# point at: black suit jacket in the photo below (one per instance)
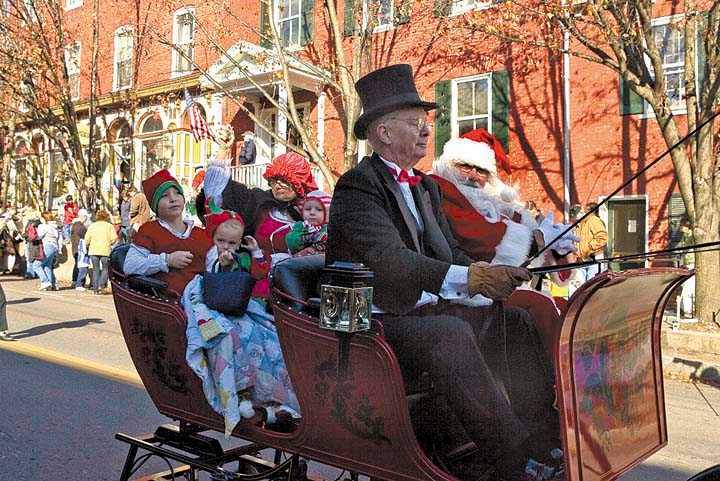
(371, 223)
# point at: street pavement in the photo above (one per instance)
(69, 385)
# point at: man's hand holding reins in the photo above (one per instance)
(495, 282)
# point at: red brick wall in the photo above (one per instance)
(607, 148)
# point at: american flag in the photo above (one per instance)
(198, 126)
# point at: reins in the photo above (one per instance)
(615, 192)
(704, 247)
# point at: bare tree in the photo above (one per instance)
(338, 60)
(621, 36)
(40, 77)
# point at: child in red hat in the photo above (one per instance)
(232, 250)
(169, 248)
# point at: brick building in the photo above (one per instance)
(514, 93)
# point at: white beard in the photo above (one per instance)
(495, 200)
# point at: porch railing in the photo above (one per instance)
(252, 176)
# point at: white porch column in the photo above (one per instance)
(281, 122)
(321, 122)
(216, 117)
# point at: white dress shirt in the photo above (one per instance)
(454, 285)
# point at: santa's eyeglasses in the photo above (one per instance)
(472, 168)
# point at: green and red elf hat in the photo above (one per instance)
(218, 216)
(157, 184)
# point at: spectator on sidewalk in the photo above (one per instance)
(593, 239)
(140, 212)
(70, 212)
(4, 336)
(77, 233)
(49, 236)
(687, 297)
(33, 245)
(125, 214)
(248, 151)
(99, 239)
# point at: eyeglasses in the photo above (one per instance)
(472, 168)
(280, 185)
(419, 124)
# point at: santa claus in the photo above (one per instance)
(485, 214)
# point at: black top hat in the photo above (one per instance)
(386, 90)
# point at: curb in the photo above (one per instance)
(691, 356)
(72, 362)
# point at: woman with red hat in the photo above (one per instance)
(269, 214)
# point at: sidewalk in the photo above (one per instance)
(691, 355)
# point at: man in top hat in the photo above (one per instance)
(489, 365)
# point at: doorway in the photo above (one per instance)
(627, 230)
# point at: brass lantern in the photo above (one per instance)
(346, 297)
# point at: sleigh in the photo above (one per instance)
(356, 407)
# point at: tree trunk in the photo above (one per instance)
(707, 268)
(707, 285)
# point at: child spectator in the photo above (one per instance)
(82, 263)
(309, 236)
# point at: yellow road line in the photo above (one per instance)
(73, 362)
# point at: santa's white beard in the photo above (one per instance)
(495, 200)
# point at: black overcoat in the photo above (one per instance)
(371, 223)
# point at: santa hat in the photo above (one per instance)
(485, 137)
(324, 199)
(156, 185)
(293, 169)
(466, 151)
(213, 220)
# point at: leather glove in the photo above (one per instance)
(566, 244)
(495, 282)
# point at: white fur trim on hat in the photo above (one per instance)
(466, 151)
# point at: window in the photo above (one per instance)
(72, 63)
(70, 4)
(288, 19)
(123, 58)
(5, 7)
(461, 6)
(380, 13)
(471, 104)
(670, 41)
(183, 37)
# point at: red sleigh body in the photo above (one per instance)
(606, 351)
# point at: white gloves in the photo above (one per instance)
(550, 231)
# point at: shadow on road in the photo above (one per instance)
(647, 471)
(39, 330)
(24, 300)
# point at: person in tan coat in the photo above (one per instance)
(593, 239)
(140, 212)
(593, 236)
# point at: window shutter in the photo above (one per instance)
(307, 20)
(500, 106)
(265, 24)
(630, 102)
(442, 8)
(443, 97)
(403, 8)
(351, 26)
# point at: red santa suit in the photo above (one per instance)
(488, 222)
